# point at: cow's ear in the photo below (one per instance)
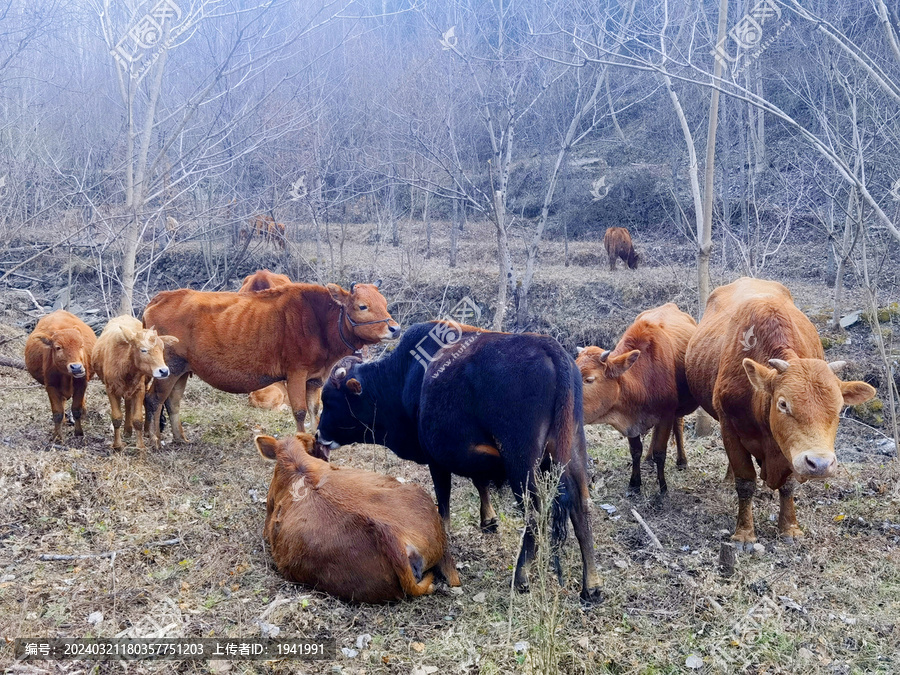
(857, 392)
(338, 294)
(760, 377)
(129, 334)
(354, 386)
(617, 366)
(308, 442)
(266, 446)
(168, 339)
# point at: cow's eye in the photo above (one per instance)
(363, 308)
(144, 351)
(784, 406)
(590, 379)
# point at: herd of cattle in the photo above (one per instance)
(493, 407)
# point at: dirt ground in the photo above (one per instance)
(829, 604)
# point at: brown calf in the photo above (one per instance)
(58, 355)
(265, 227)
(784, 416)
(355, 534)
(125, 358)
(641, 384)
(617, 242)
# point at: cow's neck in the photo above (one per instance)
(346, 340)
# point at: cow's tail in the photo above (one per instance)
(566, 445)
(407, 563)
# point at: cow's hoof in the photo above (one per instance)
(523, 587)
(681, 467)
(633, 492)
(790, 537)
(79, 432)
(489, 526)
(592, 595)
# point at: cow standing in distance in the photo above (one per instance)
(493, 407)
(756, 364)
(262, 280)
(355, 534)
(58, 355)
(617, 242)
(243, 342)
(126, 358)
(641, 384)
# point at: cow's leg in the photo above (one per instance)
(580, 514)
(312, 405)
(637, 449)
(297, 389)
(174, 408)
(488, 515)
(79, 387)
(154, 402)
(115, 411)
(612, 262)
(441, 479)
(681, 463)
(447, 567)
(658, 444)
(741, 463)
(788, 527)
(58, 409)
(137, 404)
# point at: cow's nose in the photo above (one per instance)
(161, 373)
(816, 465)
(395, 329)
(76, 368)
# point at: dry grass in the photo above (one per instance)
(828, 605)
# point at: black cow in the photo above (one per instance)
(489, 406)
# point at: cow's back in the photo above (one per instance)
(749, 318)
(242, 342)
(662, 334)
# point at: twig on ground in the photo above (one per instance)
(106, 554)
(643, 523)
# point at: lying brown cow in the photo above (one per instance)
(617, 242)
(243, 342)
(784, 416)
(355, 534)
(641, 385)
(262, 280)
(58, 355)
(275, 397)
(125, 358)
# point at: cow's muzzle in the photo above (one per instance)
(323, 447)
(160, 373)
(77, 370)
(815, 464)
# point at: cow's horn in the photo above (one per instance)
(340, 373)
(836, 366)
(377, 284)
(778, 365)
(352, 284)
(604, 356)
(578, 350)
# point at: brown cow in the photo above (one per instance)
(58, 355)
(125, 358)
(617, 242)
(641, 385)
(355, 534)
(265, 227)
(261, 280)
(784, 416)
(243, 342)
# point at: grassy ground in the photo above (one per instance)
(830, 604)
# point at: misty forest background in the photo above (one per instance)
(130, 129)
